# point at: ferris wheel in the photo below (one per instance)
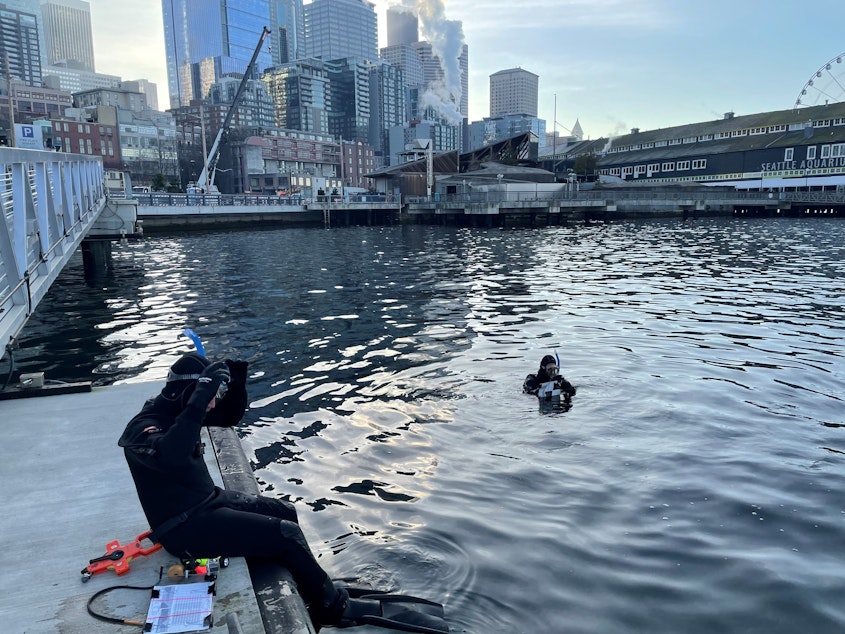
(826, 85)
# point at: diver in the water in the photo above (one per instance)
(192, 517)
(547, 381)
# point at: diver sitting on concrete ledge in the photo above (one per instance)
(191, 517)
(548, 383)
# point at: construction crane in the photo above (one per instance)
(205, 183)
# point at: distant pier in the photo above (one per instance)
(164, 212)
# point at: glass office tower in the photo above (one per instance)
(288, 32)
(335, 29)
(208, 39)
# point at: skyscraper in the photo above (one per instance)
(301, 95)
(19, 46)
(436, 77)
(336, 29)
(67, 33)
(206, 40)
(288, 39)
(402, 27)
(513, 91)
(387, 106)
(451, 75)
(349, 82)
(33, 7)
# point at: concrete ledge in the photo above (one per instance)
(68, 493)
(281, 606)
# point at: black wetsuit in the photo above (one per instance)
(534, 381)
(165, 455)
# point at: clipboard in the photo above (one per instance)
(182, 607)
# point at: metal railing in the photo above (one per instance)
(49, 201)
(523, 196)
(160, 199)
(492, 196)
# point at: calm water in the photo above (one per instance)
(696, 484)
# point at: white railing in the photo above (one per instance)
(49, 200)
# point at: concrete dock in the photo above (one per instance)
(67, 493)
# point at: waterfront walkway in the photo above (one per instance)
(67, 492)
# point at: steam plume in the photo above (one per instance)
(447, 41)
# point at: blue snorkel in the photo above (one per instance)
(190, 334)
(557, 360)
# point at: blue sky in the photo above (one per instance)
(613, 64)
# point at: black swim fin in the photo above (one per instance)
(394, 611)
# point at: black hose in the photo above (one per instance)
(115, 619)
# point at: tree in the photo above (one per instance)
(159, 182)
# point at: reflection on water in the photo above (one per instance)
(693, 486)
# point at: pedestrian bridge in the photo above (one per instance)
(50, 201)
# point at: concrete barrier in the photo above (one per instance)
(282, 608)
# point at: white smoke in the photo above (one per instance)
(447, 42)
(440, 98)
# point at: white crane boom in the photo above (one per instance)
(205, 183)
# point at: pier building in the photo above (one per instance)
(795, 149)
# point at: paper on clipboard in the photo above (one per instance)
(184, 607)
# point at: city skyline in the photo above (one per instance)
(612, 64)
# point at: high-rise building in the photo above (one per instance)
(402, 27)
(255, 108)
(67, 33)
(205, 41)
(349, 82)
(513, 91)
(288, 38)
(387, 107)
(19, 46)
(335, 29)
(453, 75)
(406, 58)
(301, 95)
(33, 7)
(436, 77)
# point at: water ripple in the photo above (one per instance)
(693, 485)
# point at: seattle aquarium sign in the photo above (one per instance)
(809, 164)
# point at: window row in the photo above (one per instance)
(729, 134)
(834, 150)
(654, 168)
(87, 147)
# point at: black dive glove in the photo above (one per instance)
(237, 369)
(206, 388)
